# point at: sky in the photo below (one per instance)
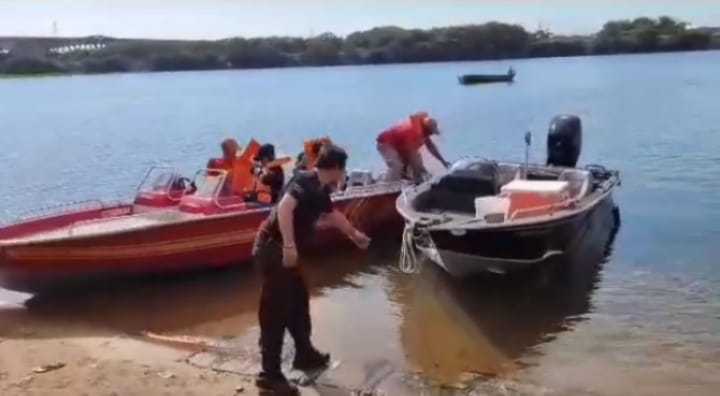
(214, 19)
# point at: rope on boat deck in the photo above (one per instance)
(409, 260)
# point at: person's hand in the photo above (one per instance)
(360, 239)
(289, 256)
(446, 164)
(422, 177)
(257, 170)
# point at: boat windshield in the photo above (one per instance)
(209, 183)
(159, 179)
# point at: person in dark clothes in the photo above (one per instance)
(285, 234)
(270, 178)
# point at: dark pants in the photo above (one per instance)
(284, 304)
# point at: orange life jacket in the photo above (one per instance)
(407, 135)
(241, 177)
(223, 165)
(220, 163)
(310, 157)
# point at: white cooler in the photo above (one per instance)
(559, 189)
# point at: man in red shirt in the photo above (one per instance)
(400, 146)
(230, 148)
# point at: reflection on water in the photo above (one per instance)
(174, 304)
(491, 326)
(367, 313)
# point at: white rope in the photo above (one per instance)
(409, 260)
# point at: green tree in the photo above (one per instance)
(323, 50)
(384, 44)
(28, 65)
(113, 64)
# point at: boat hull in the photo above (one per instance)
(509, 249)
(471, 79)
(202, 242)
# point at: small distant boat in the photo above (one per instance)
(471, 79)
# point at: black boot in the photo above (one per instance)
(275, 385)
(310, 360)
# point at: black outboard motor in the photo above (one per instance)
(564, 141)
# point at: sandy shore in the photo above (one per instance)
(39, 356)
(111, 366)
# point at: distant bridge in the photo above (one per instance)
(41, 47)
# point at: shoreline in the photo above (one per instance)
(6, 76)
(379, 45)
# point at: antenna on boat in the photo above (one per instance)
(528, 142)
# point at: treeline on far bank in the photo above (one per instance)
(380, 45)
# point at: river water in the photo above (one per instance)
(644, 322)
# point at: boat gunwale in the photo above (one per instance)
(469, 222)
(391, 188)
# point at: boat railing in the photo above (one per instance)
(126, 212)
(63, 208)
(351, 191)
(211, 182)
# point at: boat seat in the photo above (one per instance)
(457, 191)
(492, 209)
(579, 182)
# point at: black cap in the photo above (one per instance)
(266, 151)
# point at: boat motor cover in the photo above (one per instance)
(564, 141)
(457, 190)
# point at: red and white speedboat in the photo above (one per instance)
(168, 227)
